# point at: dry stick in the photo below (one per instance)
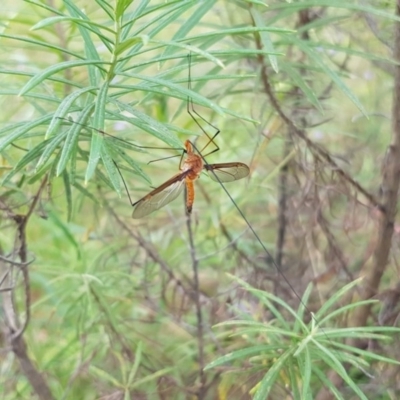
(150, 251)
(22, 221)
(200, 331)
(333, 244)
(15, 263)
(322, 153)
(283, 209)
(15, 335)
(390, 185)
(233, 243)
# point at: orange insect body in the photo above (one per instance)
(191, 169)
(194, 165)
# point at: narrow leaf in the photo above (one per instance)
(68, 194)
(265, 39)
(64, 108)
(51, 146)
(18, 133)
(111, 169)
(97, 139)
(39, 78)
(72, 139)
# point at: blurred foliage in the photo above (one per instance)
(112, 303)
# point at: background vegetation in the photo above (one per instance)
(220, 305)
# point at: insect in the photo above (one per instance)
(191, 167)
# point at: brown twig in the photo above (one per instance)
(322, 153)
(15, 329)
(201, 392)
(151, 252)
(282, 210)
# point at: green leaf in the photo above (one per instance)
(128, 43)
(302, 84)
(66, 231)
(121, 7)
(137, 13)
(265, 39)
(111, 169)
(317, 58)
(190, 49)
(41, 44)
(292, 372)
(90, 47)
(64, 108)
(190, 23)
(42, 76)
(87, 23)
(162, 22)
(72, 139)
(242, 354)
(327, 382)
(97, 139)
(45, 6)
(85, 192)
(270, 377)
(183, 91)
(306, 368)
(68, 194)
(18, 133)
(24, 161)
(135, 366)
(51, 145)
(136, 168)
(107, 8)
(153, 126)
(330, 358)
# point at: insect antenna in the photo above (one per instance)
(122, 140)
(193, 113)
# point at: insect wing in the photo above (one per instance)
(227, 172)
(160, 196)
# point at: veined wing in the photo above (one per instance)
(160, 196)
(227, 172)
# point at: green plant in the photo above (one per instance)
(293, 356)
(108, 305)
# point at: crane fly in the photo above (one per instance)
(191, 169)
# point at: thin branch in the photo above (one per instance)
(22, 222)
(151, 252)
(283, 209)
(322, 153)
(201, 392)
(15, 331)
(16, 263)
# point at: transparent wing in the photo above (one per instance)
(160, 196)
(227, 172)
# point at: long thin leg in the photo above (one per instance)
(122, 140)
(192, 112)
(123, 181)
